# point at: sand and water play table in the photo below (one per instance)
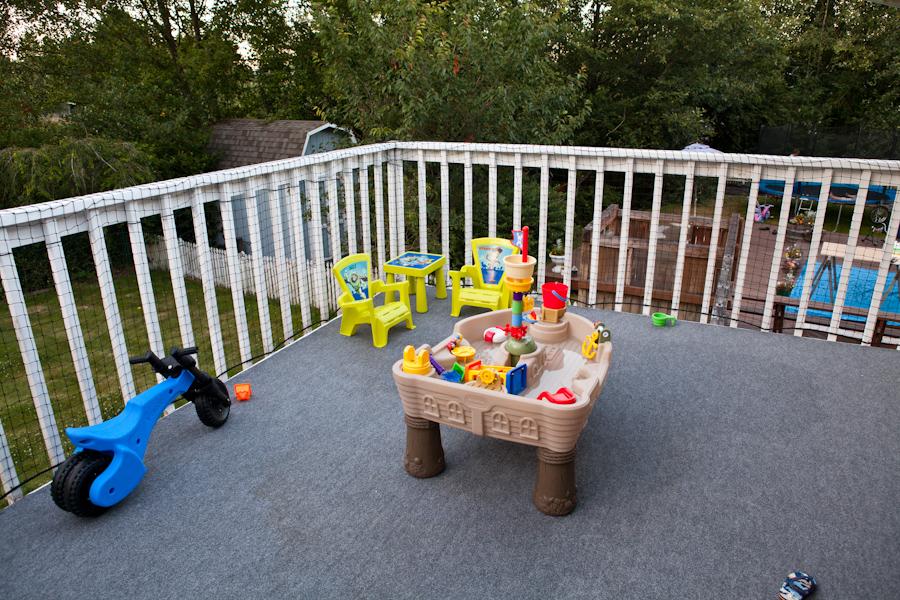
(429, 401)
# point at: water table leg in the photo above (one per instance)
(555, 492)
(424, 455)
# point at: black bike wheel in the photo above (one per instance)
(212, 413)
(76, 487)
(59, 479)
(879, 214)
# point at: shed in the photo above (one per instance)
(242, 142)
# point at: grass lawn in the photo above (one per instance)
(17, 411)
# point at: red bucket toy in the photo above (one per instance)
(555, 300)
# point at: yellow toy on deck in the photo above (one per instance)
(489, 288)
(354, 273)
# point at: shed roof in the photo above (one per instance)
(251, 141)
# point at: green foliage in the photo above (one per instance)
(461, 71)
(286, 82)
(635, 73)
(666, 74)
(843, 62)
(127, 85)
(70, 167)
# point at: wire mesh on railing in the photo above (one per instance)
(238, 262)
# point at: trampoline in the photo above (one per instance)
(840, 193)
(879, 196)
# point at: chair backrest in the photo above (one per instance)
(354, 273)
(488, 254)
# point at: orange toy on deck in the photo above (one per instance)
(242, 391)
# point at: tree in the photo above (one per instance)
(454, 71)
(843, 62)
(280, 45)
(665, 74)
(69, 167)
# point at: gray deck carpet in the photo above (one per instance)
(716, 461)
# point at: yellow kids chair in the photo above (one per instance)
(488, 283)
(354, 273)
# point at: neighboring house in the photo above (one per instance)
(242, 142)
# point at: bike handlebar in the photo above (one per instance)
(179, 352)
(151, 358)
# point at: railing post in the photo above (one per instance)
(779, 248)
(207, 277)
(570, 220)
(713, 243)
(276, 222)
(650, 273)
(492, 195)
(145, 285)
(847, 265)
(334, 211)
(623, 234)
(595, 230)
(8, 477)
(423, 203)
(400, 198)
(814, 246)
(69, 311)
(745, 247)
(318, 245)
(723, 281)
(445, 211)
(467, 204)
(542, 220)
(393, 226)
(364, 208)
(18, 310)
(884, 267)
(350, 204)
(111, 307)
(235, 271)
(678, 281)
(517, 192)
(251, 202)
(176, 273)
(378, 180)
(300, 260)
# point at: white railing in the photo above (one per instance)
(297, 204)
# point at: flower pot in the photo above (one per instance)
(796, 233)
(559, 260)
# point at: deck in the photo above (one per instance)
(715, 462)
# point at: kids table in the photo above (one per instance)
(416, 266)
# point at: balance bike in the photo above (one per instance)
(107, 463)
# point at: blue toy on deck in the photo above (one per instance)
(108, 461)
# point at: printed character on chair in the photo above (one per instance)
(354, 274)
(488, 284)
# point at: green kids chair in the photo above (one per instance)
(354, 273)
(487, 274)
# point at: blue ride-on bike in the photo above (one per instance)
(108, 460)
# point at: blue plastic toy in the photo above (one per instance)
(108, 460)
